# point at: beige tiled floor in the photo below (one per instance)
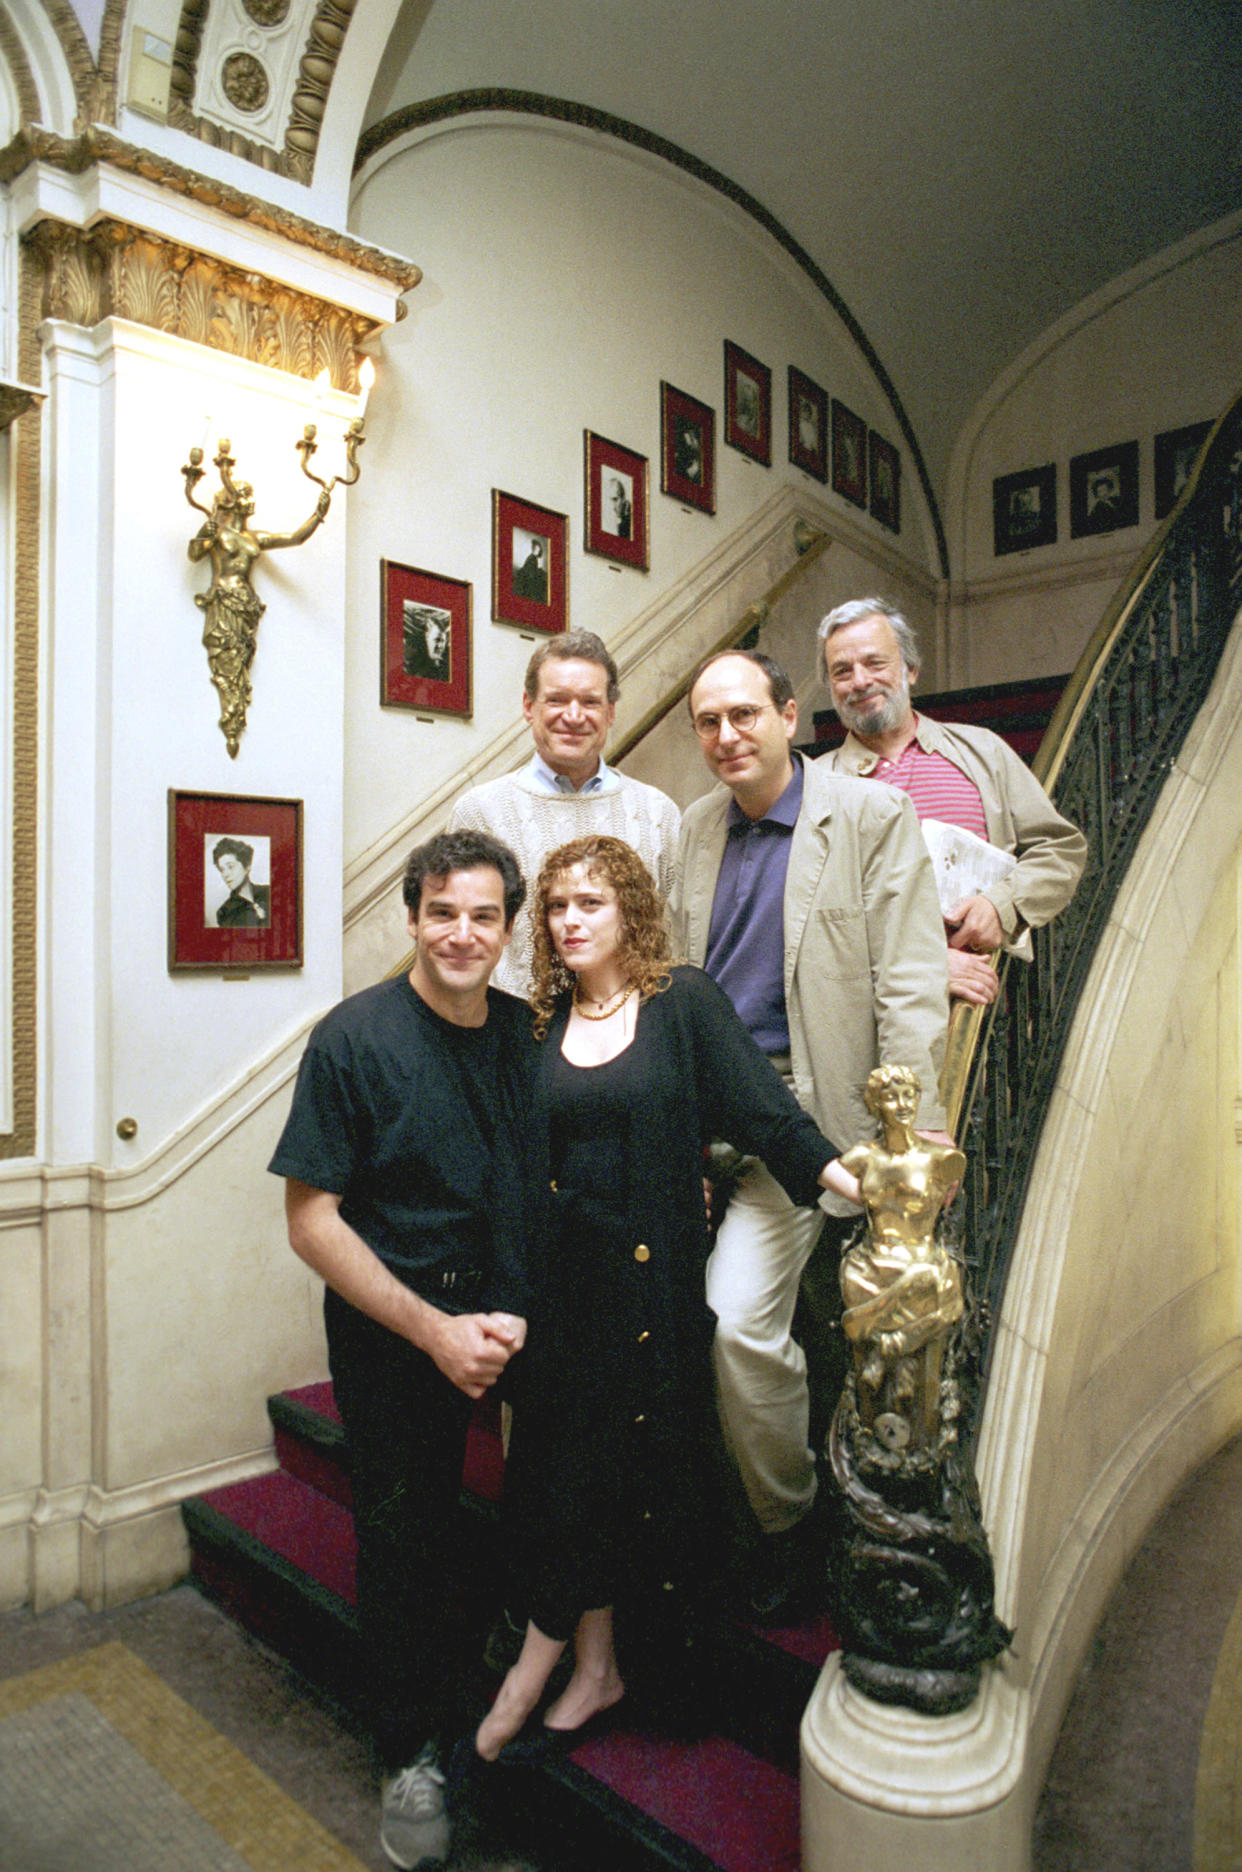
(252, 1701)
(1121, 1790)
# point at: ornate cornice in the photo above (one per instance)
(78, 154)
(316, 70)
(114, 270)
(564, 110)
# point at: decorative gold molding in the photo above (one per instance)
(19, 70)
(26, 440)
(316, 71)
(315, 75)
(113, 270)
(95, 99)
(75, 156)
(110, 38)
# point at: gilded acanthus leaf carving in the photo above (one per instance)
(112, 269)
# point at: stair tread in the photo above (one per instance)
(715, 1794)
(308, 1414)
(713, 1803)
(737, 1809)
(301, 1525)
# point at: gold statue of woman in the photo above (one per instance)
(902, 1291)
(231, 607)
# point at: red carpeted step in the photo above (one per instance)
(303, 1527)
(311, 1443)
(736, 1809)
(318, 1398)
(810, 1642)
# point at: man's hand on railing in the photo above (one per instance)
(975, 924)
(974, 932)
(972, 978)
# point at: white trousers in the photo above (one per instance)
(753, 1273)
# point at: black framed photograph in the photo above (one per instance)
(424, 640)
(849, 454)
(1177, 451)
(885, 482)
(616, 503)
(530, 564)
(1024, 509)
(808, 425)
(1104, 490)
(687, 449)
(234, 882)
(748, 404)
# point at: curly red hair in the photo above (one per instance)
(645, 949)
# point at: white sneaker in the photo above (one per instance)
(414, 1826)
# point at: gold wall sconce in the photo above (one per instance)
(231, 607)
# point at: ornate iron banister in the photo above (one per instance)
(1114, 737)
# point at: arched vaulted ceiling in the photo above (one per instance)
(962, 171)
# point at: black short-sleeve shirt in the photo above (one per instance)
(418, 1126)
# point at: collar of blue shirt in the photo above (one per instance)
(782, 812)
(603, 780)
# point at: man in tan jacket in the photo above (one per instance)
(960, 775)
(809, 897)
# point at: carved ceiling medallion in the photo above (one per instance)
(267, 12)
(244, 82)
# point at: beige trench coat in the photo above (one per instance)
(866, 970)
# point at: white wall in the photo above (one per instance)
(1157, 349)
(133, 710)
(565, 275)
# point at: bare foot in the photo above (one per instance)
(514, 1703)
(582, 1698)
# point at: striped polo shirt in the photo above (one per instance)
(938, 789)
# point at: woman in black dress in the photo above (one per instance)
(610, 1466)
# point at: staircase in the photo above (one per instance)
(277, 1553)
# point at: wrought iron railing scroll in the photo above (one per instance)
(1110, 746)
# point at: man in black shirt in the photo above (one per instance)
(406, 1166)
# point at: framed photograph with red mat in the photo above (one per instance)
(616, 504)
(885, 467)
(849, 454)
(424, 640)
(808, 425)
(529, 564)
(748, 404)
(687, 449)
(234, 882)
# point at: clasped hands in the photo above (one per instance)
(472, 1349)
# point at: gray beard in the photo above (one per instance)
(876, 717)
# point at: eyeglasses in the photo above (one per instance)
(741, 719)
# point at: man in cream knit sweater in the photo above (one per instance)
(566, 790)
